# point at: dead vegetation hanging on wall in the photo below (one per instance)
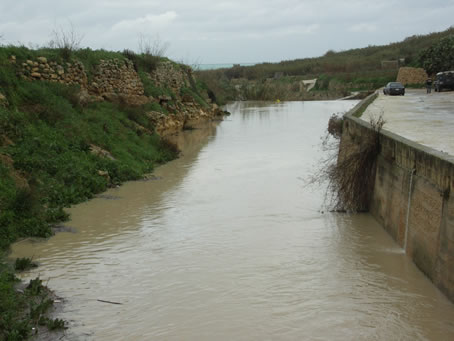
(348, 168)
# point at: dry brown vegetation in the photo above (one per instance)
(348, 170)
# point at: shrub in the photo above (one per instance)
(55, 324)
(349, 172)
(335, 124)
(66, 40)
(34, 287)
(22, 264)
(439, 57)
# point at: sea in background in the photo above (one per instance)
(217, 66)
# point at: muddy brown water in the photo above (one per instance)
(226, 243)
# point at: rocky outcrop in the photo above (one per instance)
(412, 75)
(188, 116)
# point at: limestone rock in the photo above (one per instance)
(98, 151)
(164, 99)
(104, 174)
(3, 100)
(84, 97)
(60, 70)
(111, 97)
(187, 98)
(134, 100)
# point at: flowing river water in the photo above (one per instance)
(227, 243)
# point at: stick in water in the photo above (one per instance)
(108, 302)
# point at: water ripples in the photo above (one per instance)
(227, 245)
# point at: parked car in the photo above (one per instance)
(444, 80)
(394, 88)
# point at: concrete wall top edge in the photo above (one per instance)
(411, 144)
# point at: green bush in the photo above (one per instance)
(145, 62)
(439, 57)
(22, 264)
(13, 326)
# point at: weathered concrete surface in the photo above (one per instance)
(427, 119)
(413, 191)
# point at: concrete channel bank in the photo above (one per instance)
(413, 198)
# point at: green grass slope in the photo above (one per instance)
(46, 163)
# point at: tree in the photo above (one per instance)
(439, 57)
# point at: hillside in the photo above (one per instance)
(337, 73)
(72, 125)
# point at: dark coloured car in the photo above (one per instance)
(444, 80)
(394, 88)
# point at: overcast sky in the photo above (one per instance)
(210, 31)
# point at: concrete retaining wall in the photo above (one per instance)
(413, 192)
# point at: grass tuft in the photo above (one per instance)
(22, 264)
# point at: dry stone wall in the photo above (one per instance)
(168, 76)
(41, 69)
(116, 80)
(113, 79)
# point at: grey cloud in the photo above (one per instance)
(247, 30)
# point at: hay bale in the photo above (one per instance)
(412, 75)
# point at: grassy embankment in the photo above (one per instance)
(46, 163)
(337, 73)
